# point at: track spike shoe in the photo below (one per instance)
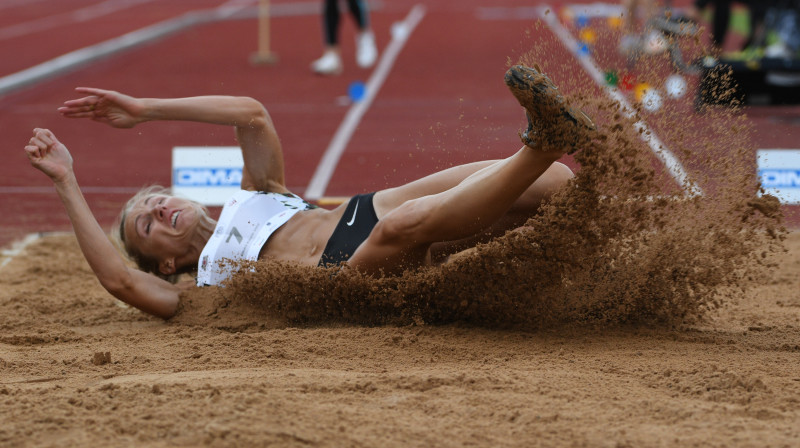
(552, 123)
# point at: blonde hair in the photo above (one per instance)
(142, 261)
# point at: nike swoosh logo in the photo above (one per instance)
(350, 223)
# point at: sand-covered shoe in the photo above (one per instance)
(552, 123)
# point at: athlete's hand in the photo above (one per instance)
(105, 106)
(49, 155)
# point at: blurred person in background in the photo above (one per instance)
(719, 20)
(366, 53)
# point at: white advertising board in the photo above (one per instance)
(779, 171)
(207, 174)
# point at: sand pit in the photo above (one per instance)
(78, 369)
(627, 313)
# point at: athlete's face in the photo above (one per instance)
(162, 227)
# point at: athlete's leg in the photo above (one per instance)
(403, 237)
(527, 205)
(523, 208)
(553, 125)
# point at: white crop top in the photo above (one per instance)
(247, 220)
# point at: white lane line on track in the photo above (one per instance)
(647, 135)
(7, 255)
(233, 9)
(84, 55)
(330, 159)
(78, 15)
(17, 248)
(14, 3)
(590, 10)
(86, 190)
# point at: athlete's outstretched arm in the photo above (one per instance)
(261, 148)
(139, 289)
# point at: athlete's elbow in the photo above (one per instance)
(120, 287)
(163, 310)
(158, 305)
(255, 115)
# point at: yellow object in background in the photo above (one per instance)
(640, 90)
(588, 35)
(614, 22)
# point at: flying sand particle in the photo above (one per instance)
(622, 243)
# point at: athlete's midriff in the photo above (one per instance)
(303, 237)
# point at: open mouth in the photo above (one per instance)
(174, 217)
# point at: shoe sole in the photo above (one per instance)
(537, 93)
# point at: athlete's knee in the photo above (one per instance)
(554, 179)
(402, 226)
(561, 174)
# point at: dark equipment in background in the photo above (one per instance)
(768, 71)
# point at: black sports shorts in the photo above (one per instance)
(355, 226)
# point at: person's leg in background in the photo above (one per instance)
(722, 17)
(331, 61)
(758, 12)
(632, 33)
(366, 53)
(719, 20)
